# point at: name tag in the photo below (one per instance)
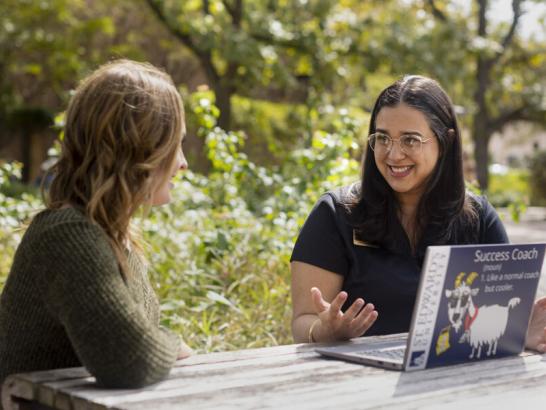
(358, 242)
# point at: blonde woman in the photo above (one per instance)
(78, 292)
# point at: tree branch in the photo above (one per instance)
(268, 39)
(522, 113)
(228, 7)
(184, 37)
(516, 8)
(436, 12)
(203, 55)
(236, 13)
(483, 70)
(482, 21)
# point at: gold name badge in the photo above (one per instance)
(358, 242)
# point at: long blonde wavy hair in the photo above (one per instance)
(124, 126)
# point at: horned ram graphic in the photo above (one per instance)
(483, 325)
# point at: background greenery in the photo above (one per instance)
(278, 94)
(220, 251)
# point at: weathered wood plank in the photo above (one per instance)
(208, 370)
(291, 376)
(27, 385)
(48, 375)
(15, 387)
(261, 380)
(263, 385)
(207, 384)
(275, 351)
(352, 391)
(258, 358)
(215, 359)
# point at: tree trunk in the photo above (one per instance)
(223, 102)
(481, 136)
(480, 123)
(26, 157)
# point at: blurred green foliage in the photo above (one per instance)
(512, 186)
(16, 207)
(273, 65)
(510, 190)
(302, 76)
(219, 253)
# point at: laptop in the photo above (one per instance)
(473, 303)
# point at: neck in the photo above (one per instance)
(408, 203)
(407, 211)
(407, 214)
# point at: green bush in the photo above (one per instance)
(508, 188)
(219, 253)
(16, 208)
(538, 178)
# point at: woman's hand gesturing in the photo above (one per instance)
(536, 333)
(337, 325)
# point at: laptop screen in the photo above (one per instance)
(474, 303)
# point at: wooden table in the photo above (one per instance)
(294, 377)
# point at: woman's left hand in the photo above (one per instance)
(536, 333)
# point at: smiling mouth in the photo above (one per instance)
(400, 171)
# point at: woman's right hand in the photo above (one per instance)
(184, 351)
(336, 325)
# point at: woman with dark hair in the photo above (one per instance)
(367, 242)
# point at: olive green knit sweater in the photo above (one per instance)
(65, 304)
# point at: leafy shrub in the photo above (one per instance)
(221, 249)
(510, 190)
(16, 208)
(219, 253)
(507, 188)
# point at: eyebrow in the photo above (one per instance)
(407, 132)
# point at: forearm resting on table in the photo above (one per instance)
(184, 351)
(301, 326)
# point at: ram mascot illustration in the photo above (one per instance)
(483, 326)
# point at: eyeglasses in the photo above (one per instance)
(410, 144)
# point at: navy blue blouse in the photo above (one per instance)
(386, 277)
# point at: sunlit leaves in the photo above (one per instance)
(16, 207)
(223, 244)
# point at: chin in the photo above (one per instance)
(162, 203)
(401, 189)
(398, 187)
(162, 196)
(162, 200)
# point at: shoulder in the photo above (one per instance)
(491, 228)
(338, 200)
(68, 220)
(332, 208)
(345, 195)
(68, 233)
(481, 205)
(324, 237)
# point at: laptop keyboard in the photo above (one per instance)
(393, 353)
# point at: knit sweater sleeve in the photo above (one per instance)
(109, 331)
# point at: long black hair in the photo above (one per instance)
(445, 209)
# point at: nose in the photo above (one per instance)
(182, 163)
(396, 151)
